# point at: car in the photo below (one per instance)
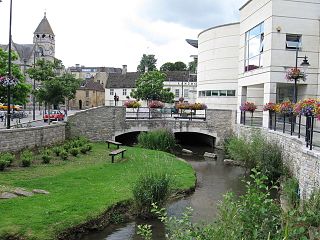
(55, 115)
(5, 107)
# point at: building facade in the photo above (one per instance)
(269, 32)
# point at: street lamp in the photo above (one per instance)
(9, 69)
(35, 54)
(305, 64)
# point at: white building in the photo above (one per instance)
(268, 33)
(181, 83)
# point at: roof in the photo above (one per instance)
(24, 50)
(91, 85)
(95, 69)
(128, 80)
(192, 42)
(244, 5)
(223, 25)
(44, 27)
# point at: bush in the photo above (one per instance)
(311, 209)
(84, 149)
(238, 149)
(162, 140)
(46, 158)
(151, 188)
(57, 151)
(290, 190)
(26, 158)
(3, 164)
(9, 157)
(89, 147)
(74, 151)
(64, 155)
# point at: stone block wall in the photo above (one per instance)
(14, 140)
(303, 163)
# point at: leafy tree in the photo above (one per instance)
(166, 67)
(150, 87)
(180, 66)
(177, 66)
(147, 61)
(22, 90)
(192, 67)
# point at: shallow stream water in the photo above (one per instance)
(213, 180)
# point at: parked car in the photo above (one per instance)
(14, 107)
(55, 115)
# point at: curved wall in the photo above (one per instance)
(218, 64)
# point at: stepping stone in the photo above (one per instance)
(187, 151)
(232, 162)
(7, 195)
(210, 155)
(40, 191)
(22, 192)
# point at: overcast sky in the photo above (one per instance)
(115, 32)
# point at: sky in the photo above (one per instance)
(113, 33)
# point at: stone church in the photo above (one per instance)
(43, 46)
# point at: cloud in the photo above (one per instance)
(198, 14)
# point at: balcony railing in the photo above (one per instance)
(165, 113)
(251, 118)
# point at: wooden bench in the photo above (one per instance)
(116, 152)
(114, 143)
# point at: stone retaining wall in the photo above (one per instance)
(303, 163)
(14, 140)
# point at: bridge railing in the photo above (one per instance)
(165, 113)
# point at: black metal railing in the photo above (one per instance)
(251, 118)
(165, 113)
(296, 125)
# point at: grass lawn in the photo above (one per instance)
(80, 189)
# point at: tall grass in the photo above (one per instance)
(152, 187)
(162, 140)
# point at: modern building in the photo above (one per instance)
(181, 83)
(248, 61)
(43, 46)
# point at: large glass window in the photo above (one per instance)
(293, 41)
(254, 48)
(111, 92)
(176, 93)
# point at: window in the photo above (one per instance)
(124, 92)
(87, 93)
(215, 92)
(223, 93)
(293, 41)
(208, 93)
(87, 103)
(111, 91)
(231, 93)
(202, 93)
(254, 48)
(186, 93)
(177, 93)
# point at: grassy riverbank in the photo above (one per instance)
(80, 189)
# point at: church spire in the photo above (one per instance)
(44, 26)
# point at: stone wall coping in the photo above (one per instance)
(13, 130)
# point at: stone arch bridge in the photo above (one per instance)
(108, 122)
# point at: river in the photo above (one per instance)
(213, 180)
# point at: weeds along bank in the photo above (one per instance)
(84, 187)
(302, 163)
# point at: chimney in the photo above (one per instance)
(77, 65)
(124, 69)
(146, 69)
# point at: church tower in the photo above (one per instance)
(44, 40)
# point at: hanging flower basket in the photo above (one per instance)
(295, 73)
(271, 107)
(308, 107)
(198, 106)
(156, 104)
(6, 81)
(132, 104)
(182, 105)
(248, 107)
(286, 108)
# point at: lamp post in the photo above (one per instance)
(9, 69)
(305, 64)
(35, 54)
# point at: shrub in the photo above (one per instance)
(3, 164)
(162, 140)
(84, 149)
(46, 158)
(74, 151)
(290, 191)
(26, 158)
(9, 157)
(89, 147)
(64, 155)
(151, 188)
(57, 151)
(238, 149)
(311, 209)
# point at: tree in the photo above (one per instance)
(177, 66)
(147, 61)
(150, 87)
(21, 91)
(166, 67)
(193, 66)
(180, 66)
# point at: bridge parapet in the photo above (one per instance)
(107, 122)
